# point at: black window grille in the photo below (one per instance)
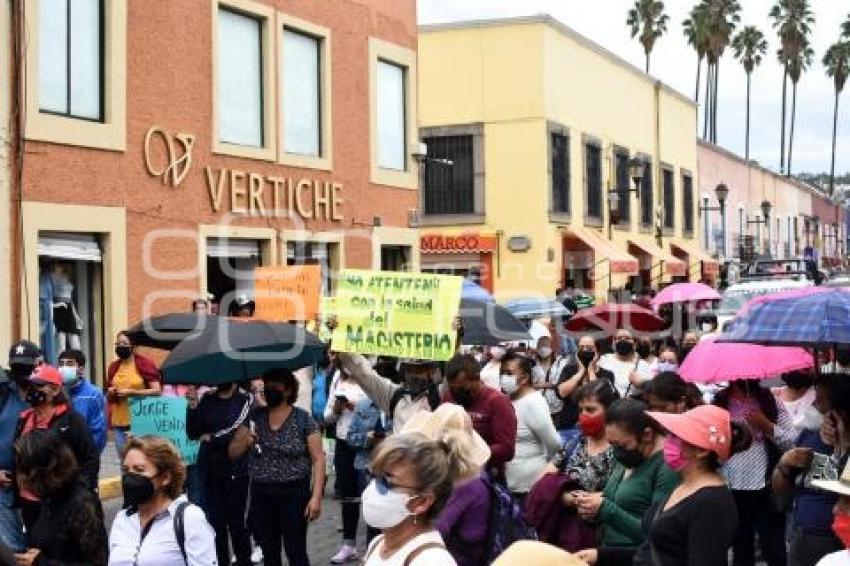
(560, 173)
(669, 199)
(449, 176)
(623, 186)
(593, 165)
(646, 195)
(688, 202)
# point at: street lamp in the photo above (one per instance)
(614, 195)
(721, 191)
(766, 207)
(636, 173)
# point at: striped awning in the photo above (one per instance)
(620, 261)
(673, 266)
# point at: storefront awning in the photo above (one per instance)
(710, 266)
(76, 247)
(232, 247)
(620, 261)
(673, 266)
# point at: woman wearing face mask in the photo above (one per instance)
(668, 393)
(629, 370)
(667, 361)
(639, 478)
(537, 441)
(143, 534)
(131, 375)
(576, 373)
(287, 469)
(413, 479)
(49, 410)
(548, 375)
(749, 472)
(797, 395)
(491, 371)
(695, 525)
(69, 529)
(213, 421)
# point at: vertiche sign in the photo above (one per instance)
(242, 192)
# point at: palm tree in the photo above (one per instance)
(750, 47)
(695, 28)
(837, 65)
(647, 20)
(793, 21)
(796, 67)
(722, 18)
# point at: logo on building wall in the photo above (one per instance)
(173, 164)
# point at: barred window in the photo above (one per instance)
(669, 199)
(646, 198)
(560, 172)
(449, 175)
(593, 166)
(688, 202)
(623, 186)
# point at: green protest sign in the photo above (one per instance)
(164, 416)
(407, 315)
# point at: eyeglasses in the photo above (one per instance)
(385, 485)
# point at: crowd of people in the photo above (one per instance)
(574, 450)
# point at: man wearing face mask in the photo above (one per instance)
(418, 390)
(88, 400)
(628, 368)
(584, 369)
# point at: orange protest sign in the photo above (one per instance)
(284, 293)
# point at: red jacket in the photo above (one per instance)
(493, 418)
(145, 366)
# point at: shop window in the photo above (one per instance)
(69, 297)
(560, 163)
(395, 258)
(302, 93)
(449, 186)
(314, 253)
(392, 116)
(669, 196)
(688, 203)
(593, 179)
(240, 79)
(230, 269)
(70, 70)
(624, 182)
(646, 197)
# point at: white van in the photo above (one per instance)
(736, 296)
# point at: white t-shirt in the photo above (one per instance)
(346, 388)
(429, 557)
(840, 558)
(537, 442)
(621, 371)
(490, 375)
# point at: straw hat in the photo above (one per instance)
(536, 554)
(446, 421)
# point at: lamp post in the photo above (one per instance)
(721, 191)
(614, 195)
(765, 219)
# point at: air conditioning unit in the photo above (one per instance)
(413, 219)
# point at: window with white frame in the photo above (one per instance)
(240, 78)
(70, 58)
(302, 93)
(392, 116)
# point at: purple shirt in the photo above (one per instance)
(463, 522)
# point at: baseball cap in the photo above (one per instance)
(707, 427)
(841, 486)
(46, 374)
(24, 352)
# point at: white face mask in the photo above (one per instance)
(667, 366)
(384, 511)
(497, 353)
(544, 352)
(508, 383)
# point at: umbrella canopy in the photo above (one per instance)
(239, 350)
(488, 324)
(168, 330)
(715, 362)
(476, 292)
(818, 319)
(536, 308)
(614, 316)
(788, 294)
(685, 293)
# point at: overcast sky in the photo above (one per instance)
(603, 21)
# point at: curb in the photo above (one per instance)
(109, 488)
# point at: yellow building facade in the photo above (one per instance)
(529, 127)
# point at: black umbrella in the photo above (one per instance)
(489, 324)
(168, 330)
(235, 350)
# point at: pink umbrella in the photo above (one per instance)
(716, 362)
(685, 293)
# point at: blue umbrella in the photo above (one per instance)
(820, 319)
(471, 291)
(537, 308)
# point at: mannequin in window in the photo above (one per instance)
(66, 321)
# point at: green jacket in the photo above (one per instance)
(626, 500)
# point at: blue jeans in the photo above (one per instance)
(11, 528)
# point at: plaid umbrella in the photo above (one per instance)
(815, 320)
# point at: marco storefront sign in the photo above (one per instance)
(169, 157)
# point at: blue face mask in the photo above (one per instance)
(69, 375)
(667, 366)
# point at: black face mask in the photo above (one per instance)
(624, 347)
(630, 458)
(20, 373)
(36, 398)
(797, 381)
(416, 386)
(463, 397)
(274, 397)
(586, 357)
(643, 350)
(137, 489)
(123, 352)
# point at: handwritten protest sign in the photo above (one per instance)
(284, 293)
(164, 416)
(406, 315)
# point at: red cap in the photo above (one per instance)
(46, 374)
(707, 427)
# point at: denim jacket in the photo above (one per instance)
(367, 418)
